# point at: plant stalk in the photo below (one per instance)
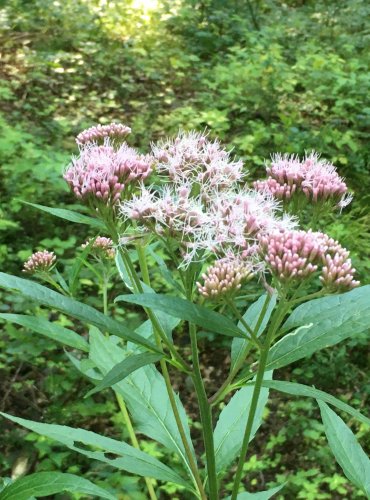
(156, 326)
(235, 370)
(151, 315)
(121, 403)
(205, 415)
(134, 441)
(276, 321)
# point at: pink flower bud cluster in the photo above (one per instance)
(337, 271)
(224, 277)
(102, 246)
(101, 173)
(317, 179)
(191, 157)
(41, 261)
(100, 132)
(292, 255)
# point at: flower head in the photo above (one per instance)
(192, 157)
(224, 277)
(337, 272)
(99, 132)
(101, 247)
(239, 217)
(225, 221)
(102, 173)
(171, 212)
(296, 255)
(317, 179)
(42, 261)
(292, 254)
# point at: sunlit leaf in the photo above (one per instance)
(251, 317)
(145, 395)
(124, 368)
(230, 427)
(311, 392)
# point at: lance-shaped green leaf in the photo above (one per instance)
(322, 323)
(184, 309)
(124, 368)
(71, 307)
(115, 453)
(42, 484)
(262, 495)
(48, 329)
(69, 215)
(251, 317)
(229, 431)
(311, 392)
(347, 451)
(145, 395)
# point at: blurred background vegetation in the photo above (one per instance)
(262, 75)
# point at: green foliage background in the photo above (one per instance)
(262, 75)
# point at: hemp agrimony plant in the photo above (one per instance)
(238, 261)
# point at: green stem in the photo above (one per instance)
(224, 389)
(134, 441)
(157, 328)
(275, 323)
(253, 335)
(143, 264)
(105, 295)
(121, 403)
(180, 362)
(192, 464)
(311, 296)
(206, 416)
(56, 285)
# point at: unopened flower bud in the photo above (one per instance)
(224, 277)
(98, 133)
(102, 247)
(42, 261)
(296, 255)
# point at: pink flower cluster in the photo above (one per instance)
(101, 173)
(317, 179)
(292, 255)
(227, 220)
(191, 157)
(239, 216)
(100, 132)
(224, 277)
(102, 246)
(41, 261)
(173, 213)
(337, 271)
(201, 203)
